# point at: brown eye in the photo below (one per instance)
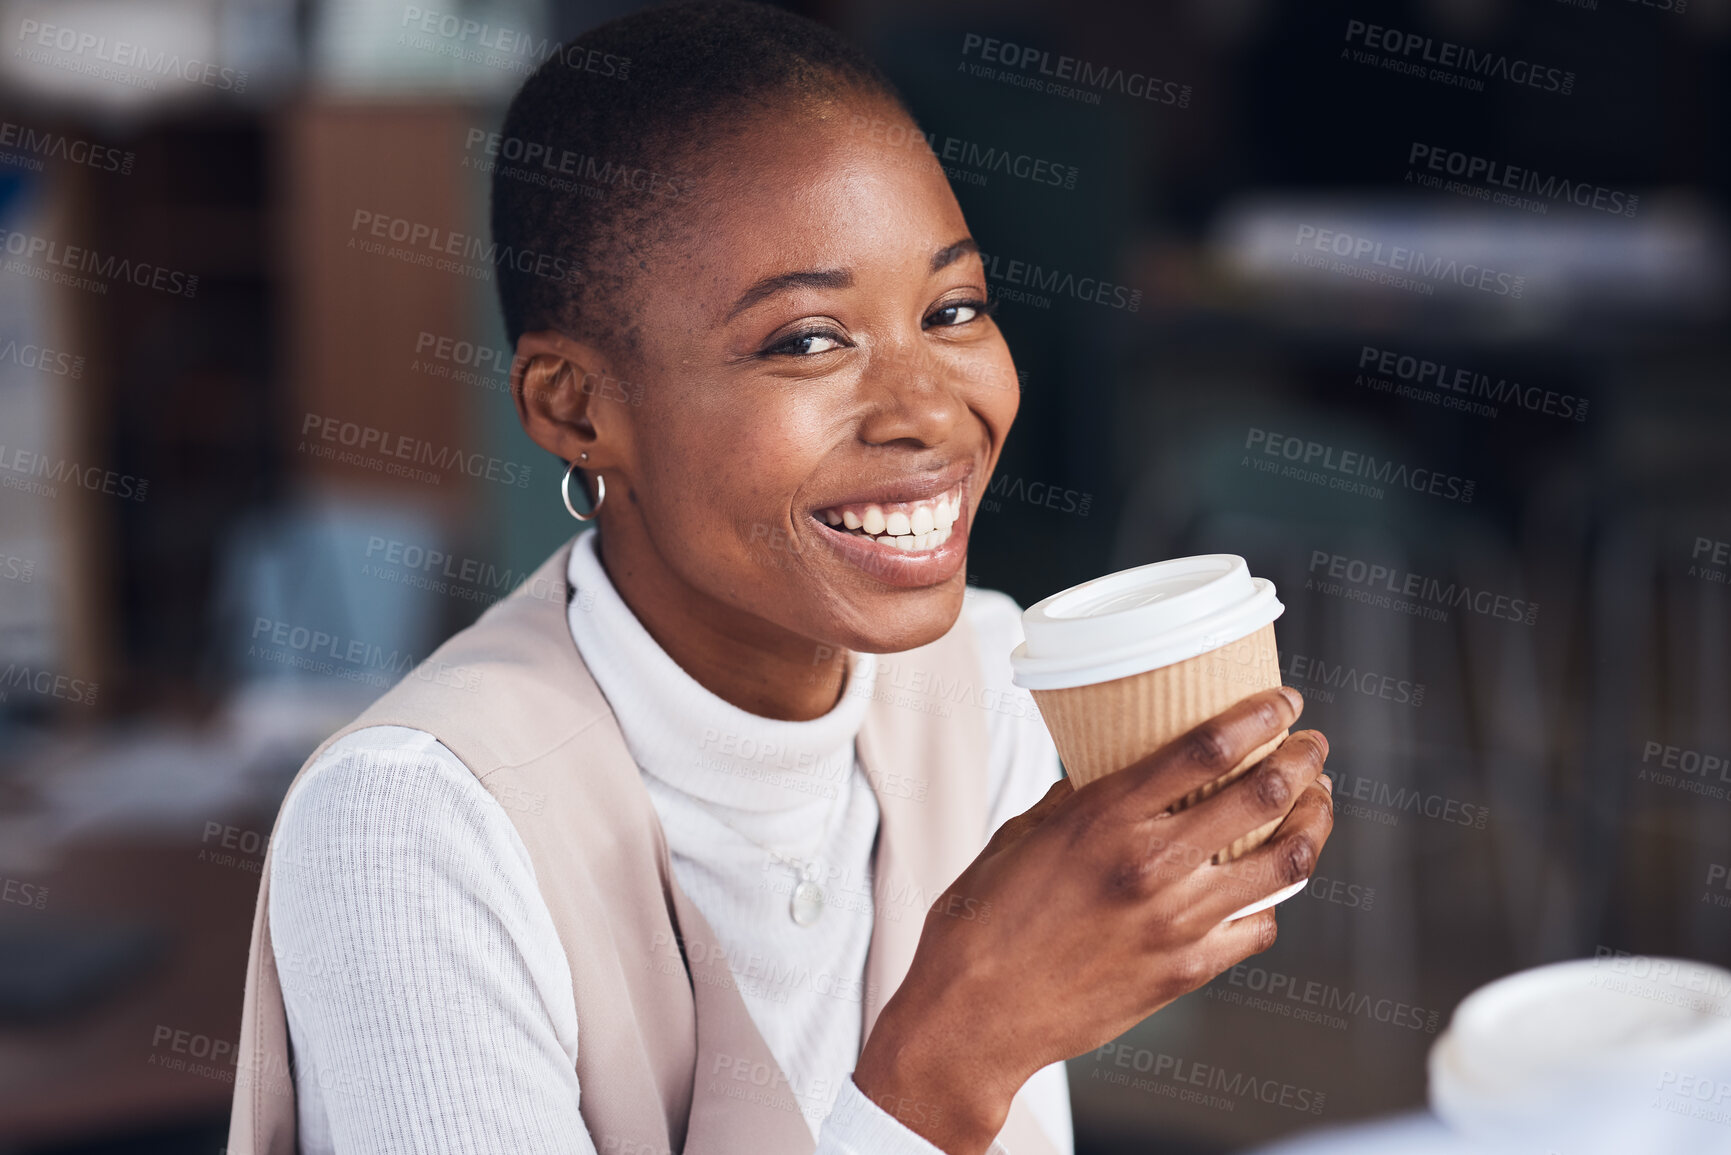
(958, 313)
(806, 344)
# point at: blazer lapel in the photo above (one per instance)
(923, 747)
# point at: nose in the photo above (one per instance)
(911, 397)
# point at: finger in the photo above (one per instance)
(1223, 946)
(1265, 793)
(1201, 755)
(1213, 893)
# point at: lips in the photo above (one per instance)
(910, 531)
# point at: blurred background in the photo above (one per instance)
(1421, 307)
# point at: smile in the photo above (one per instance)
(912, 526)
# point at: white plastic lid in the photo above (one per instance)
(1140, 619)
(1277, 897)
(1591, 1056)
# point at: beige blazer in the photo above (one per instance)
(665, 1033)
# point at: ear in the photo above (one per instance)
(569, 399)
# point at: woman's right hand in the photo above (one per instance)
(1104, 909)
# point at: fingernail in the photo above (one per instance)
(1328, 784)
(1293, 697)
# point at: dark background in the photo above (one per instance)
(1506, 793)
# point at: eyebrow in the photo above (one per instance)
(950, 254)
(834, 278)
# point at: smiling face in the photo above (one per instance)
(824, 396)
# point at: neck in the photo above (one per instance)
(747, 662)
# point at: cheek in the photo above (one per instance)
(997, 396)
(725, 473)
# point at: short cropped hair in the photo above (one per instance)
(603, 146)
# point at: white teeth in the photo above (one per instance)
(924, 526)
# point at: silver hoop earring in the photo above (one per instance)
(565, 492)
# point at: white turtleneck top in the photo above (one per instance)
(428, 997)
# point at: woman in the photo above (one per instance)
(663, 864)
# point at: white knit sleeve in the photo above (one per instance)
(428, 997)
(858, 1126)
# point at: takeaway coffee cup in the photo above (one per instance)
(1600, 1056)
(1122, 664)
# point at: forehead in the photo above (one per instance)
(831, 184)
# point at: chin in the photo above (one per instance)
(901, 620)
